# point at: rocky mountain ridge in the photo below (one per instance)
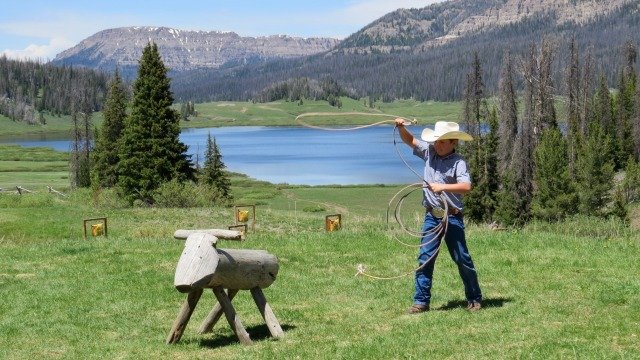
(184, 50)
(420, 29)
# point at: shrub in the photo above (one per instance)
(187, 194)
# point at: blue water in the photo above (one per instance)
(296, 155)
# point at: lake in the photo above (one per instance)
(297, 155)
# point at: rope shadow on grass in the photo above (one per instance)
(486, 303)
(257, 333)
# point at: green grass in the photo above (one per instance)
(285, 113)
(33, 168)
(60, 125)
(567, 290)
(278, 113)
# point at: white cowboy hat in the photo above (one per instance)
(444, 130)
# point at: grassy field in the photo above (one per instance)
(285, 113)
(58, 125)
(278, 113)
(568, 290)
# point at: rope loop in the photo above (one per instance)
(395, 204)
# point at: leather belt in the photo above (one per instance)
(439, 213)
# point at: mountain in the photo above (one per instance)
(426, 53)
(420, 53)
(420, 29)
(184, 50)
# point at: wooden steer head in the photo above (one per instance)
(197, 263)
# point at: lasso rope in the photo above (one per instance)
(438, 231)
(311, 114)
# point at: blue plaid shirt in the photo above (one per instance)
(450, 169)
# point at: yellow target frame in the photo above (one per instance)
(237, 209)
(333, 222)
(103, 221)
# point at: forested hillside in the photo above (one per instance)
(29, 88)
(425, 72)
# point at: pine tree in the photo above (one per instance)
(594, 172)
(213, 171)
(602, 110)
(631, 184)
(586, 101)
(511, 210)
(573, 97)
(80, 163)
(554, 196)
(624, 145)
(105, 153)
(619, 207)
(522, 164)
(508, 119)
(151, 152)
(546, 112)
(636, 124)
(625, 106)
(479, 202)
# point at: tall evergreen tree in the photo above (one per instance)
(586, 92)
(602, 109)
(546, 112)
(478, 202)
(595, 172)
(80, 162)
(213, 171)
(151, 152)
(625, 106)
(522, 162)
(624, 100)
(636, 124)
(106, 151)
(554, 196)
(603, 116)
(509, 206)
(508, 119)
(573, 99)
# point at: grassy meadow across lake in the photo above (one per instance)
(279, 113)
(562, 290)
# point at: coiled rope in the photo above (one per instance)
(397, 200)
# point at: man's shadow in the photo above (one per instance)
(486, 303)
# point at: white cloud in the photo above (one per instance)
(42, 52)
(56, 34)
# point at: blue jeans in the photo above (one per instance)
(457, 246)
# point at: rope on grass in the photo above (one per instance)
(438, 231)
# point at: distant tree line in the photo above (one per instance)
(304, 88)
(525, 166)
(29, 88)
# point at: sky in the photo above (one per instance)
(40, 29)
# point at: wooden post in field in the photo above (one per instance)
(226, 272)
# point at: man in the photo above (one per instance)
(445, 172)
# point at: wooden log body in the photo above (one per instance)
(218, 233)
(202, 265)
(243, 269)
